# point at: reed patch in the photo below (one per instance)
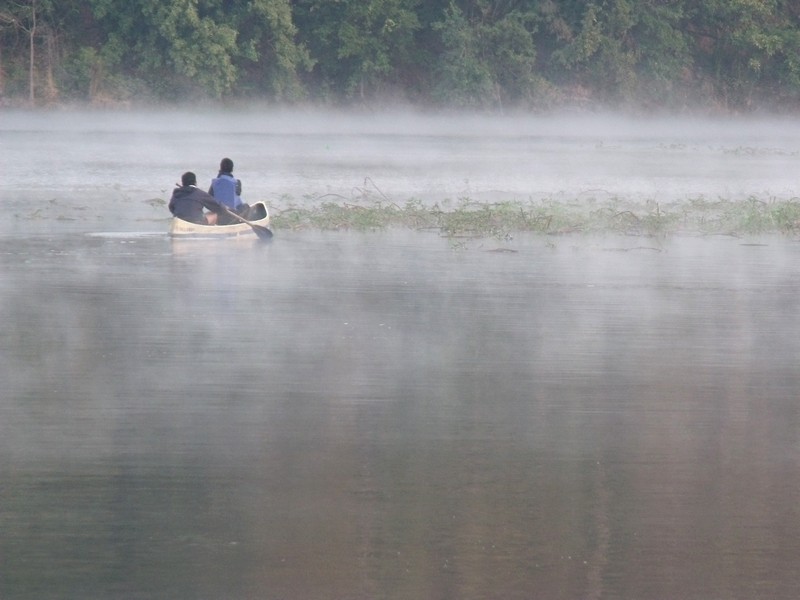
(467, 217)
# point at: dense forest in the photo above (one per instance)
(495, 55)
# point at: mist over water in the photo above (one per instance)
(88, 165)
(393, 414)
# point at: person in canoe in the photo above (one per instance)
(227, 190)
(188, 202)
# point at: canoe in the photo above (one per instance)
(259, 215)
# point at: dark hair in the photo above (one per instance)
(226, 165)
(188, 178)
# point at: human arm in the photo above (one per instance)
(209, 202)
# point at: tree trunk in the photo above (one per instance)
(31, 68)
(2, 76)
(51, 88)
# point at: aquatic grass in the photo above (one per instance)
(470, 218)
(750, 216)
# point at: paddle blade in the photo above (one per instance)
(262, 232)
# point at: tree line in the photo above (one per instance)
(494, 55)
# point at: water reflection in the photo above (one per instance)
(380, 416)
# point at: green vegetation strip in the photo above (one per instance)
(500, 219)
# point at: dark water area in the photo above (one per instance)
(379, 415)
(392, 414)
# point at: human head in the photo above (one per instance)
(226, 165)
(188, 178)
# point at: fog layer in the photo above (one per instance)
(95, 163)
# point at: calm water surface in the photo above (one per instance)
(393, 415)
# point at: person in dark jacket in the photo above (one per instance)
(188, 202)
(227, 190)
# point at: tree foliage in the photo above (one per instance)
(480, 54)
(361, 47)
(271, 60)
(489, 56)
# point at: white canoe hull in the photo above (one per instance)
(178, 228)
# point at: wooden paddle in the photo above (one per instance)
(262, 232)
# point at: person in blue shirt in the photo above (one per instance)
(227, 190)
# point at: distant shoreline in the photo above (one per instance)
(698, 110)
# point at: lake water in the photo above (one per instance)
(393, 414)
